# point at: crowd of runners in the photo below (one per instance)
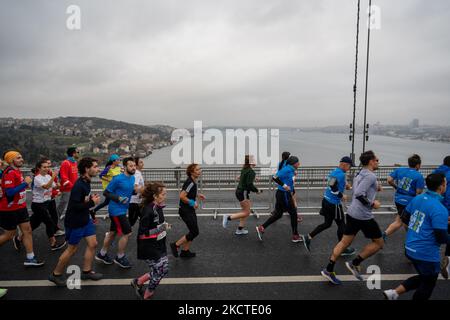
(62, 200)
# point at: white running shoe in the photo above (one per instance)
(390, 294)
(59, 233)
(225, 221)
(240, 232)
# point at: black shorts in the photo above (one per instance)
(121, 225)
(242, 195)
(369, 228)
(400, 208)
(334, 211)
(189, 217)
(9, 220)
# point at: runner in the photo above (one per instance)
(188, 204)
(407, 183)
(332, 204)
(284, 200)
(119, 190)
(68, 174)
(284, 156)
(79, 225)
(42, 186)
(359, 218)
(246, 185)
(151, 240)
(13, 206)
(52, 204)
(134, 209)
(112, 169)
(427, 221)
(445, 169)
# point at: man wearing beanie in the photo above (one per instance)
(284, 201)
(68, 176)
(13, 206)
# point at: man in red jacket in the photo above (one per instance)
(13, 206)
(68, 174)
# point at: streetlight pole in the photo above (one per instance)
(353, 124)
(366, 126)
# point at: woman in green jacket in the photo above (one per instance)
(246, 185)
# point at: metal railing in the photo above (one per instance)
(219, 184)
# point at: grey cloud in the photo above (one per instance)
(260, 63)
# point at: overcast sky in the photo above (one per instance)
(228, 63)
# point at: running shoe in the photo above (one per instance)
(330, 276)
(390, 294)
(105, 259)
(225, 221)
(58, 246)
(187, 254)
(174, 249)
(122, 262)
(60, 280)
(306, 242)
(92, 275)
(3, 292)
(240, 232)
(33, 262)
(259, 232)
(59, 233)
(348, 252)
(355, 270)
(445, 267)
(296, 238)
(17, 243)
(138, 289)
(149, 294)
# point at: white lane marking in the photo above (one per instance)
(199, 215)
(207, 280)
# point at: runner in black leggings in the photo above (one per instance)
(188, 204)
(284, 200)
(43, 184)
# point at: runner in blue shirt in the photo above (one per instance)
(407, 182)
(427, 221)
(445, 169)
(332, 204)
(284, 200)
(119, 191)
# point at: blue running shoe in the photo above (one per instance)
(105, 259)
(122, 262)
(330, 276)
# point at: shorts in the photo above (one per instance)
(242, 195)
(330, 210)
(369, 228)
(120, 225)
(400, 208)
(9, 220)
(74, 236)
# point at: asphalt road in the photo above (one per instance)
(226, 267)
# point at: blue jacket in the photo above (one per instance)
(286, 175)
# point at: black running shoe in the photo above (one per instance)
(174, 249)
(139, 290)
(17, 243)
(187, 254)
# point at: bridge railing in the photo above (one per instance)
(219, 183)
